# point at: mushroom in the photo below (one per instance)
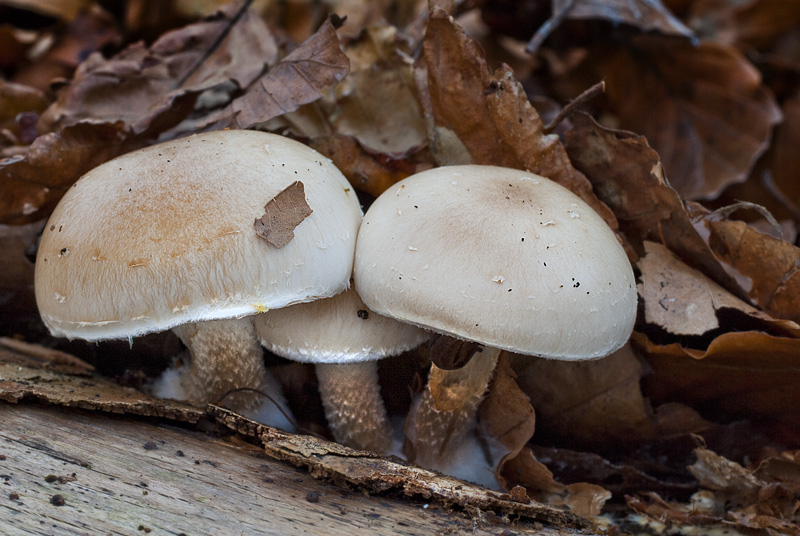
(344, 340)
(163, 238)
(499, 257)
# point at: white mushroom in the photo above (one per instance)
(163, 238)
(344, 340)
(500, 257)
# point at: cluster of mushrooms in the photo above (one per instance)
(481, 259)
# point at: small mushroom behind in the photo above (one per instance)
(499, 257)
(163, 238)
(344, 340)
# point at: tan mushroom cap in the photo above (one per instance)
(164, 235)
(335, 330)
(502, 257)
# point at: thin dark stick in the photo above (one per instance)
(589, 94)
(217, 42)
(549, 25)
(780, 197)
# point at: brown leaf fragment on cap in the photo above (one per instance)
(282, 214)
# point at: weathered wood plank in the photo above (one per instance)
(113, 482)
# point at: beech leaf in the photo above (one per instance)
(32, 184)
(587, 404)
(646, 15)
(282, 214)
(142, 85)
(748, 373)
(682, 300)
(299, 78)
(506, 414)
(702, 107)
(488, 114)
(771, 264)
(627, 175)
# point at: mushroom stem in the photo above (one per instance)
(225, 355)
(353, 405)
(446, 411)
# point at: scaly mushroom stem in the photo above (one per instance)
(225, 355)
(353, 405)
(445, 413)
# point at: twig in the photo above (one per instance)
(780, 197)
(567, 110)
(549, 25)
(724, 212)
(217, 42)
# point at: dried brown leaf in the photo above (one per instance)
(702, 107)
(282, 214)
(381, 72)
(299, 78)
(619, 477)
(155, 87)
(525, 470)
(740, 374)
(750, 501)
(506, 415)
(627, 175)
(587, 404)
(785, 158)
(653, 506)
(771, 264)
(756, 24)
(682, 300)
(367, 170)
(16, 99)
(32, 184)
(45, 357)
(645, 15)
(90, 31)
(487, 114)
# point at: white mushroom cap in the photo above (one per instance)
(164, 235)
(335, 330)
(498, 256)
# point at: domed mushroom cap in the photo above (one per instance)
(164, 235)
(335, 330)
(502, 257)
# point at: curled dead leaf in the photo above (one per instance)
(587, 404)
(506, 416)
(525, 470)
(32, 184)
(487, 114)
(299, 78)
(702, 107)
(772, 265)
(682, 300)
(627, 175)
(155, 87)
(740, 374)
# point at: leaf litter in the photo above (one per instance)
(698, 110)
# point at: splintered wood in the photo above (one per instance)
(87, 472)
(282, 214)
